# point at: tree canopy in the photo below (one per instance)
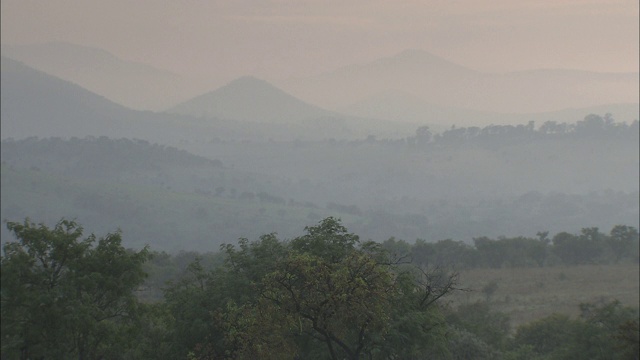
(64, 295)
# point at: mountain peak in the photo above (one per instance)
(420, 58)
(415, 53)
(250, 99)
(249, 83)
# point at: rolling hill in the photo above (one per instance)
(134, 85)
(439, 82)
(36, 104)
(251, 99)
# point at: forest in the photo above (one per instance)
(323, 294)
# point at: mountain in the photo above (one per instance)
(438, 82)
(34, 103)
(37, 104)
(135, 85)
(251, 99)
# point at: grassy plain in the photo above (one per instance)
(528, 294)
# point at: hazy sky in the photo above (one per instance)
(281, 38)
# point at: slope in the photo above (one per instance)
(439, 82)
(135, 85)
(251, 99)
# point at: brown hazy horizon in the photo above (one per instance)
(223, 40)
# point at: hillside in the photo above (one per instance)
(135, 85)
(37, 104)
(158, 195)
(451, 188)
(251, 99)
(439, 82)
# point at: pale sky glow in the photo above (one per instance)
(277, 39)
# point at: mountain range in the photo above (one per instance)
(414, 86)
(132, 84)
(35, 103)
(456, 189)
(436, 81)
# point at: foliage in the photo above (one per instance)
(603, 331)
(466, 345)
(64, 296)
(325, 294)
(592, 126)
(320, 295)
(489, 326)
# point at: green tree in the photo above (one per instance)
(550, 338)
(491, 327)
(64, 296)
(212, 309)
(321, 295)
(343, 305)
(605, 330)
(586, 248)
(621, 240)
(339, 299)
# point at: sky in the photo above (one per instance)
(298, 38)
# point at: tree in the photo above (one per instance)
(334, 297)
(345, 305)
(586, 248)
(621, 240)
(212, 309)
(550, 337)
(605, 330)
(321, 295)
(63, 296)
(423, 135)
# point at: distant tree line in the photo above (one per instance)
(590, 246)
(325, 294)
(592, 126)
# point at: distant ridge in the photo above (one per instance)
(135, 85)
(436, 81)
(34, 103)
(251, 99)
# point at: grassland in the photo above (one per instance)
(148, 215)
(528, 294)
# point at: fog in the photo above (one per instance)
(443, 130)
(291, 43)
(284, 162)
(385, 129)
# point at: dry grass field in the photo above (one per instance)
(527, 294)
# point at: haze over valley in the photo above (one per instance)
(320, 179)
(415, 179)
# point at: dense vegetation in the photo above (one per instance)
(325, 294)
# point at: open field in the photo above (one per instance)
(528, 294)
